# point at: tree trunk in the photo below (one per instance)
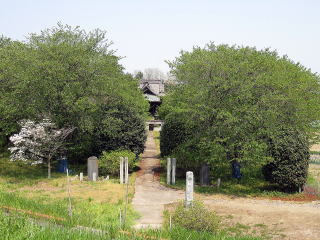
(49, 167)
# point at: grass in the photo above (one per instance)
(95, 204)
(21, 227)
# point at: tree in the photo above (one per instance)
(238, 97)
(73, 77)
(38, 142)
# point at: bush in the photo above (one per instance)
(109, 162)
(174, 132)
(196, 218)
(290, 151)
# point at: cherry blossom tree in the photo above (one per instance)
(39, 142)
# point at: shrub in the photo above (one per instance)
(290, 151)
(196, 218)
(109, 162)
(174, 132)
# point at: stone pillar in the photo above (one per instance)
(189, 189)
(174, 166)
(81, 176)
(121, 169)
(204, 175)
(92, 167)
(94, 176)
(168, 171)
(126, 169)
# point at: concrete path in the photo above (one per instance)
(150, 196)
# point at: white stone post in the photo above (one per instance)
(126, 167)
(218, 182)
(173, 165)
(81, 176)
(121, 169)
(168, 171)
(189, 189)
(94, 177)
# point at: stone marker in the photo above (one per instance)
(121, 169)
(173, 165)
(204, 175)
(92, 167)
(126, 169)
(189, 189)
(218, 182)
(168, 171)
(94, 177)
(81, 176)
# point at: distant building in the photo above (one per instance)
(153, 89)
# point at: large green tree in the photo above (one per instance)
(238, 98)
(72, 77)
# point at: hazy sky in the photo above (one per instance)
(147, 32)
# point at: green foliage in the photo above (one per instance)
(236, 98)
(289, 169)
(196, 217)
(109, 162)
(74, 78)
(174, 132)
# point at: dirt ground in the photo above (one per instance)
(150, 196)
(281, 220)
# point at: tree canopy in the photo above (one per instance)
(235, 99)
(73, 78)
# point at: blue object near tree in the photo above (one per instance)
(62, 165)
(236, 172)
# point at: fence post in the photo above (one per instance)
(69, 195)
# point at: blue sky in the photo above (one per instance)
(147, 32)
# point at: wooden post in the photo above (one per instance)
(168, 171)
(189, 189)
(174, 165)
(69, 194)
(121, 169)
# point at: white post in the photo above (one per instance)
(219, 182)
(168, 170)
(94, 176)
(121, 170)
(126, 167)
(81, 176)
(174, 165)
(189, 189)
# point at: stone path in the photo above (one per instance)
(150, 196)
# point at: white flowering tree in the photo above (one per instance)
(38, 142)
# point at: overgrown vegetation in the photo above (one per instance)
(109, 161)
(230, 101)
(195, 217)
